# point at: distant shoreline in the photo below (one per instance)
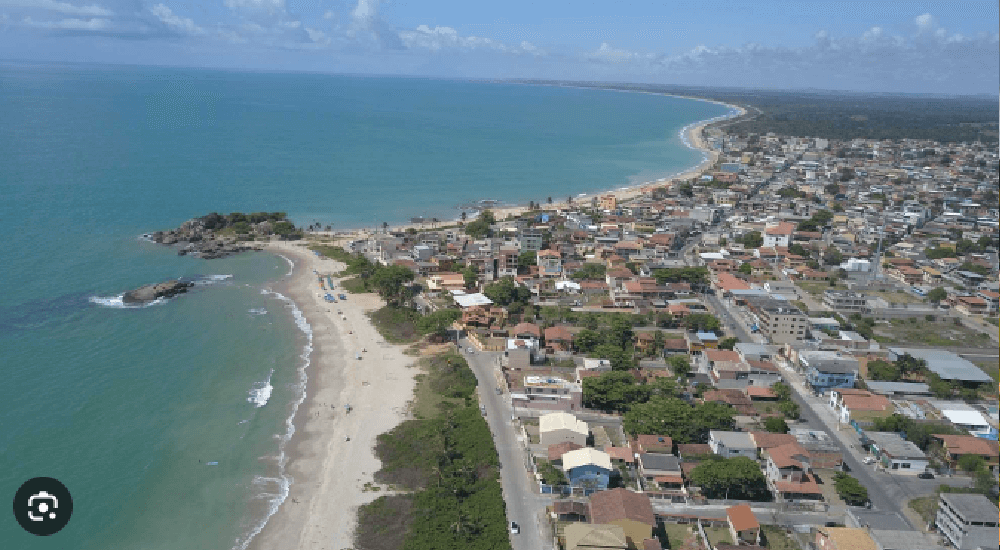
(691, 136)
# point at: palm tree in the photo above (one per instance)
(550, 200)
(464, 215)
(385, 227)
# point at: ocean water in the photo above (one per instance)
(127, 406)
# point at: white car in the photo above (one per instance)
(869, 459)
(514, 528)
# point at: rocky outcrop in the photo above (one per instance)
(148, 293)
(216, 236)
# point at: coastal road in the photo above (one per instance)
(524, 506)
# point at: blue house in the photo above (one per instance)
(826, 370)
(588, 469)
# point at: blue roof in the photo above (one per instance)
(707, 336)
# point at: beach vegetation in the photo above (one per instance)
(480, 227)
(447, 461)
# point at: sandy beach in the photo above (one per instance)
(329, 473)
(694, 136)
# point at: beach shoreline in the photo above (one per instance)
(691, 136)
(326, 473)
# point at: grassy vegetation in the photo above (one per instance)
(777, 539)
(550, 474)
(896, 297)
(397, 325)
(334, 252)
(816, 288)
(680, 537)
(939, 332)
(718, 535)
(447, 459)
(925, 506)
(354, 285)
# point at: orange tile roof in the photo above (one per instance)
(741, 517)
(969, 445)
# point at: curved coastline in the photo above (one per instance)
(690, 135)
(310, 449)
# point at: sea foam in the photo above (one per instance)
(118, 302)
(260, 393)
(284, 481)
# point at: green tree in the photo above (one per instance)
(505, 292)
(590, 271)
(439, 321)
(883, 370)
(850, 489)
(480, 227)
(621, 359)
(613, 391)
(680, 365)
(620, 332)
(729, 343)
(679, 420)
(735, 478)
(832, 256)
(659, 340)
(390, 282)
(937, 294)
(753, 239)
(587, 340)
(695, 276)
(702, 322)
(971, 463)
(782, 391)
(470, 275)
(745, 268)
(776, 425)
(525, 260)
(789, 408)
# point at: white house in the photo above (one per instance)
(732, 444)
(559, 427)
(972, 421)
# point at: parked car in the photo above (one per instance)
(869, 459)
(514, 528)
(925, 475)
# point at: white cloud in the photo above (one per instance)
(71, 24)
(329, 14)
(180, 24)
(925, 21)
(317, 36)
(439, 38)
(61, 7)
(256, 5)
(366, 12)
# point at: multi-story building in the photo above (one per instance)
(828, 369)
(842, 300)
(968, 521)
(530, 239)
(507, 261)
(549, 263)
(779, 320)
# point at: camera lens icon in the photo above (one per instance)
(42, 502)
(43, 506)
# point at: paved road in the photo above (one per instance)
(524, 506)
(888, 492)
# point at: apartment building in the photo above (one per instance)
(968, 521)
(780, 321)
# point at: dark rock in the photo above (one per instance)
(148, 293)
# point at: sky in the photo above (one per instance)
(949, 47)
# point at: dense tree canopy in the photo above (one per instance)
(676, 418)
(731, 478)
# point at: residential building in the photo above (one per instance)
(828, 369)
(778, 235)
(968, 521)
(589, 536)
(957, 446)
(859, 406)
(660, 471)
(743, 525)
(732, 444)
(846, 301)
(507, 258)
(530, 239)
(779, 320)
(561, 427)
(549, 263)
(971, 421)
(896, 454)
(587, 468)
(632, 511)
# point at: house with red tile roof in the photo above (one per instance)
(743, 525)
(632, 511)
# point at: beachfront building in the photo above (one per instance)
(968, 521)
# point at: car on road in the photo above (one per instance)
(514, 528)
(869, 459)
(925, 475)
(470, 350)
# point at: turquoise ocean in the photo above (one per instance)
(127, 406)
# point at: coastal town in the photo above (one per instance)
(794, 348)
